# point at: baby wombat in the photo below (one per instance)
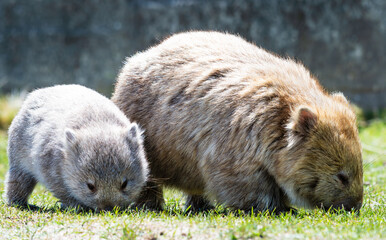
(79, 145)
(228, 121)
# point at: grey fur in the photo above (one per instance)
(69, 136)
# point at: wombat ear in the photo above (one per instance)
(71, 144)
(134, 131)
(133, 137)
(70, 136)
(304, 121)
(340, 97)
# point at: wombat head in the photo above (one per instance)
(105, 168)
(322, 166)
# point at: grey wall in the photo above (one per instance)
(45, 42)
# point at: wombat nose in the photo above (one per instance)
(108, 208)
(348, 204)
(358, 206)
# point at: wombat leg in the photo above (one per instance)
(151, 197)
(197, 203)
(19, 186)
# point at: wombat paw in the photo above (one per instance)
(74, 207)
(149, 205)
(284, 210)
(25, 206)
(196, 203)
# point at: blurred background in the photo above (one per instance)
(46, 42)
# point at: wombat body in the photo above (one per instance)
(79, 145)
(227, 121)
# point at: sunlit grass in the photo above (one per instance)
(9, 106)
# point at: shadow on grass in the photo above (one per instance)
(169, 211)
(178, 212)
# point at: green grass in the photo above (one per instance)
(9, 106)
(172, 223)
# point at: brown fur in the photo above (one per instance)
(229, 121)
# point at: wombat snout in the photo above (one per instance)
(348, 204)
(108, 208)
(105, 207)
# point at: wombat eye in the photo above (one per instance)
(343, 178)
(124, 184)
(91, 187)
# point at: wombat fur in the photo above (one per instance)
(228, 121)
(79, 145)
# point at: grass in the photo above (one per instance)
(50, 222)
(9, 106)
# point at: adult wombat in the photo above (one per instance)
(79, 145)
(229, 121)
